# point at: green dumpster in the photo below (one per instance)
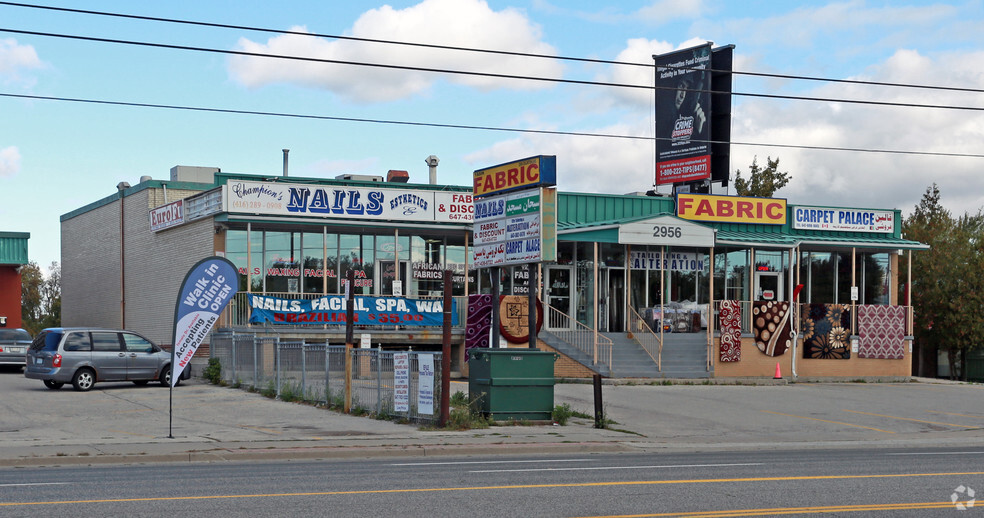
(512, 384)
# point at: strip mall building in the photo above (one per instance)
(742, 285)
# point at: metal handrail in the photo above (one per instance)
(581, 337)
(641, 332)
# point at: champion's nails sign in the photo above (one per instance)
(205, 292)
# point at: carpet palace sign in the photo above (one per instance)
(342, 202)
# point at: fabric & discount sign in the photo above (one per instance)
(207, 289)
(332, 309)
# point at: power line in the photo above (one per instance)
(471, 127)
(473, 49)
(480, 74)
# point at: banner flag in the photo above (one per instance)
(207, 289)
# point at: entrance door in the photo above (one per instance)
(557, 284)
(768, 286)
(613, 320)
(386, 274)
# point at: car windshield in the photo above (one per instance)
(18, 335)
(46, 340)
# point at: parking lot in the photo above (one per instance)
(115, 418)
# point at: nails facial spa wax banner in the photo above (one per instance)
(207, 289)
(331, 309)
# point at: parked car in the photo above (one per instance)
(83, 356)
(13, 346)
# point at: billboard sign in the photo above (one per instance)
(683, 115)
(167, 216)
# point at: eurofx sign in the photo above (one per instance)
(343, 202)
(515, 218)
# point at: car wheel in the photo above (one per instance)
(53, 385)
(83, 380)
(166, 377)
(140, 382)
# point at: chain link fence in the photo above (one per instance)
(385, 384)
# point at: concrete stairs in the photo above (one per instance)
(684, 357)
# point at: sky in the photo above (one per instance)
(57, 155)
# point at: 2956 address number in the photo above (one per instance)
(667, 231)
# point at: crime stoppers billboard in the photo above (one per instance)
(683, 110)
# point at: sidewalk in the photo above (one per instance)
(126, 424)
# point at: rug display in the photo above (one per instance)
(770, 323)
(729, 323)
(827, 332)
(479, 322)
(881, 330)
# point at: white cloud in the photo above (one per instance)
(639, 50)
(837, 178)
(9, 161)
(14, 58)
(465, 23)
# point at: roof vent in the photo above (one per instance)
(360, 177)
(395, 175)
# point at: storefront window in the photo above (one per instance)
(821, 281)
(456, 263)
(844, 267)
(875, 278)
(281, 262)
(584, 293)
(731, 275)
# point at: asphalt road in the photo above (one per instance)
(914, 482)
(121, 422)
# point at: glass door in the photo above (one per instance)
(768, 286)
(557, 287)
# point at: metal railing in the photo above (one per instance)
(239, 309)
(315, 373)
(589, 341)
(641, 332)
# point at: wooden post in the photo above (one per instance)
(446, 351)
(349, 331)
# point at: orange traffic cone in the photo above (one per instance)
(778, 375)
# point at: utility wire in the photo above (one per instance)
(472, 127)
(481, 74)
(473, 49)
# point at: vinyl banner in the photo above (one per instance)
(207, 289)
(332, 309)
(683, 115)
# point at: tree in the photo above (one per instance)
(40, 297)
(762, 181)
(948, 290)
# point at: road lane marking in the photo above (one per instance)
(36, 484)
(906, 506)
(828, 421)
(910, 419)
(938, 453)
(487, 462)
(956, 414)
(596, 468)
(497, 488)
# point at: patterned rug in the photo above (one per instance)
(479, 322)
(770, 322)
(881, 330)
(729, 318)
(827, 332)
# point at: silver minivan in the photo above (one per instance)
(83, 356)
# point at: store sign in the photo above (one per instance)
(343, 202)
(731, 209)
(522, 174)
(332, 309)
(515, 228)
(673, 261)
(167, 216)
(667, 231)
(847, 220)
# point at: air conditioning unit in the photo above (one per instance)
(360, 177)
